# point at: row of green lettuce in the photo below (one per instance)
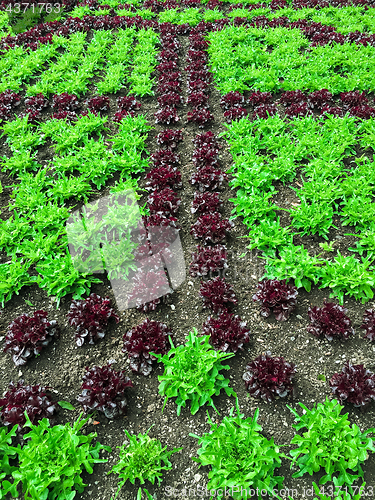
(43, 197)
(311, 153)
(125, 59)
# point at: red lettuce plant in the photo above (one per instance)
(215, 4)
(167, 66)
(363, 111)
(319, 98)
(168, 56)
(8, 100)
(69, 115)
(36, 102)
(206, 155)
(332, 110)
(331, 321)
(200, 116)
(166, 116)
(257, 98)
(64, 102)
(263, 111)
(170, 76)
(159, 221)
(293, 97)
(206, 139)
(369, 324)
(206, 203)
(201, 74)
(211, 228)
(231, 100)
(149, 283)
(354, 385)
(90, 317)
(196, 66)
(103, 389)
(161, 177)
(165, 157)
(235, 114)
(217, 294)
(353, 98)
(208, 178)
(20, 398)
(198, 99)
(197, 42)
(119, 115)
(27, 335)
(170, 99)
(168, 86)
(267, 377)
(227, 333)
(164, 202)
(169, 138)
(194, 86)
(98, 104)
(140, 341)
(128, 103)
(170, 43)
(298, 109)
(208, 260)
(279, 296)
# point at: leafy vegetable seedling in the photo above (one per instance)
(239, 455)
(330, 443)
(192, 372)
(142, 459)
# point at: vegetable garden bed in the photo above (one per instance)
(172, 102)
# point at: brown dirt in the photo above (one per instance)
(61, 365)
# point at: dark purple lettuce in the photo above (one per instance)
(161, 177)
(369, 324)
(217, 294)
(267, 377)
(235, 114)
(198, 100)
(208, 260)
(169, 138)
(200, 116)
(98, 104)
(257, 98)
(227, 333)
(354, 385)
(64, 102)
(164, 202)
(353, 98)
(263, 111)
(128, 103)
(149, 283)
(141, 340)
(231, 100)
(278, 296)
(206, 203)
(208, 177)
(166, 116)
(206, 155)
(211, 228)
(331, 321)
(164, 157)
(170, 99)
(27, 335)
(90, 318)
(20, 398)
(206, 139)
(103, 389)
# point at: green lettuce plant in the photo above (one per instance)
(192, 372)
(330, 443)
(240, 457)
(53, 458)
(143, 459)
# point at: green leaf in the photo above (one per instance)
(66, 405)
